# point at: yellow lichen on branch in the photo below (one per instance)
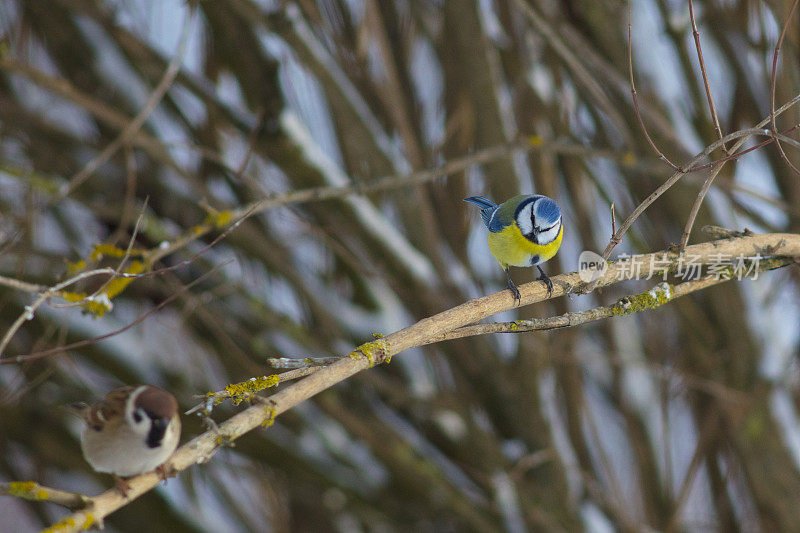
(244, 390)
(99, 303)
(28, 490)
(375, 352)
(655, 297)
(218, 219)
(109, 250)
(70, 524)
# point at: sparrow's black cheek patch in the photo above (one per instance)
(156, 433)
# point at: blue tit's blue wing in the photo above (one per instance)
(496, 222)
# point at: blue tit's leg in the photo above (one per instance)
(513, 287)
(547, 281)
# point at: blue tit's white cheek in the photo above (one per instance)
(550, 235)
(525, 219)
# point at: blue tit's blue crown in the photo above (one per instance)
(547, 212)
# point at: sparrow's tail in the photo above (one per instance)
(79, 409)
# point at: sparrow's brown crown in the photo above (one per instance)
(157, 403)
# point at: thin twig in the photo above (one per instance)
(305, 362)
(118, 272)
(773, 84)
(687, 230)
(613, 220)
(45, 293)
(650, 141)
(711, 106)
(617, 237)
(736, 155)
(21, 285)
(130, 192)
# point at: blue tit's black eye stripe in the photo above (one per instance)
(545, 229)
(534, 235)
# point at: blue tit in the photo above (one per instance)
(523, 231)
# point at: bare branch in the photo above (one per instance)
(305, 362)
(741, 135)
(650, 141)
(777, 137)
(712, 108)
(715, 168)
(772, 113)
(202, 448)
(659, 295)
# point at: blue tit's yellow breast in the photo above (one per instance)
(511, 248)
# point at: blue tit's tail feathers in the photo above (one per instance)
(481, 201)
(487, 206)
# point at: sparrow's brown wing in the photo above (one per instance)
(110, 408)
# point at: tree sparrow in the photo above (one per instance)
(132, 430)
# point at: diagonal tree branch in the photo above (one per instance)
(202, 448)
